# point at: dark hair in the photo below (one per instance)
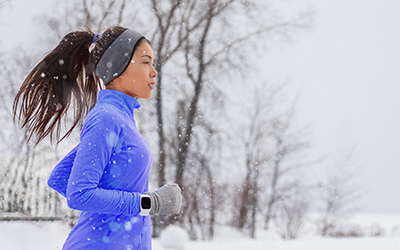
(63, 77)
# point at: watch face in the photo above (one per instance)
(146, 203)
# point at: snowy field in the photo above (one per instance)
(20, 235)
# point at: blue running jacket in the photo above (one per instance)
(104, 175)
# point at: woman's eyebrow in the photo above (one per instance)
(151, 58)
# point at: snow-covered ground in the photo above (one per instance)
(19, 235)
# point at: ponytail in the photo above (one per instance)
(62, 78)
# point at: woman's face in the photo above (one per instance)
(138, 78)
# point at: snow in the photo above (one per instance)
(21, 235)
(174, 237)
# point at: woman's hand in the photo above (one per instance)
(166, 200)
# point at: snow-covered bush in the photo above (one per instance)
(174, 237)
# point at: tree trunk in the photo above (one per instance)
(272, 198)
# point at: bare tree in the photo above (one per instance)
(79, 14)
(339, 195)
(23, 167)
(203, 54)
(287, 158)
(256, 156)
(291, 213)
(275, 151)
(199, 32)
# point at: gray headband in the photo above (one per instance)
(117, 56)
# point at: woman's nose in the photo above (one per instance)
(154, 73)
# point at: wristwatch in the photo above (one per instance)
(145, 204)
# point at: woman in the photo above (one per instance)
(106, 175)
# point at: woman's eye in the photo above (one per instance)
(149, 63)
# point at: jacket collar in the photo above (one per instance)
(121, 100)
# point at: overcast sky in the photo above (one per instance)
(347, 71)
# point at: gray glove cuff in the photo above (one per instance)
(154, 203)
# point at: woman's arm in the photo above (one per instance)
(99, 138)
(58, 179)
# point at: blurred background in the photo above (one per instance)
(265, 112)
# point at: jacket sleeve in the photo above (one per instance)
(99, 138)
(58, 179)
